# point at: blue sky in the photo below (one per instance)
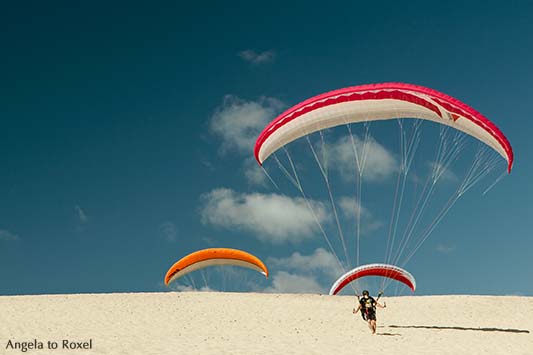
(115, 143)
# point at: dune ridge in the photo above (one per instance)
(261, 323)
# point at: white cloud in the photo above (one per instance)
(284, 282)
(82, 216)
(253, 57)
(320, 261)
(169, 231)
(379, 163)
(8, 236)
(239, 122)
(268, 217)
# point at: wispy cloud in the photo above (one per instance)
(169, 231)
(515, 293)
(189, 288)
(284, 282)
(442, 173)
(256, 58)
(445, 249)
(82, 216)
(238, 122)
(269, 217)
(379, 162)
(320, 261)
(208, 165)
(210, 241)
(253, 173)
(350, 208)
(6, 235)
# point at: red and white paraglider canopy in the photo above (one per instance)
(378, 102)
(383, 270)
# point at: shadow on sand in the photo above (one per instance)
(390, 334)
(461, 328)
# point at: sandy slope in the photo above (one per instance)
(238, 323)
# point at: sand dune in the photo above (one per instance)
(251, 323)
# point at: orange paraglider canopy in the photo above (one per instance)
(214, 256)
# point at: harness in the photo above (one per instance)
(366, 311)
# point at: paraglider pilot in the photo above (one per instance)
(367, 306)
